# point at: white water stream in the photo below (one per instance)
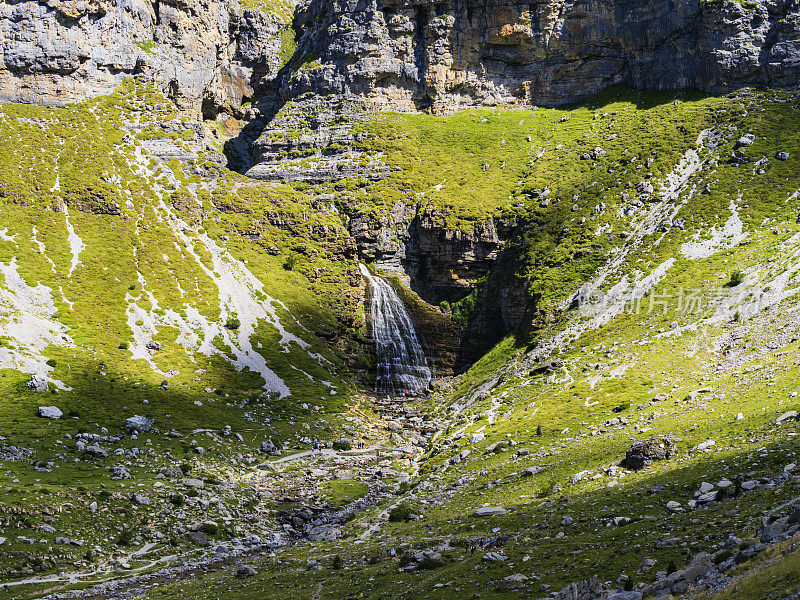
(402, 366)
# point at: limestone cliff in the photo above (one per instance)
(206, 55)
(441, 56)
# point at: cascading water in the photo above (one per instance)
(402, 366)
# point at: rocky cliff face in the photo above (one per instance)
(205, 55)
(446, 55)
(441, 263)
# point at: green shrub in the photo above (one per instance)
(123, 346)
(400, 513)
(209, 528)
(336, 563)
(290, 262)
(671, 567)
(737, 277)
(428, 564)
(51, 362)
(232, 323)
(125, 538)
(177, 499)
(341, 445)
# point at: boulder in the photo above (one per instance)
(50, 412)
(512, 582)
(791, 414)
(120, 472)
(782, 155)
(679, 581)
(95, 451)
(198, 537)
(489, 511)
(139, 498)
(588, 589)
(246, 571)
(746, 140)
(38, 383)
(625, 596)
(772, 528)
(531, 471)
(191, 482)
(324, 533)
(494, 557)
(138, 423)
(644, 453)
(673, 506)
(550, 365)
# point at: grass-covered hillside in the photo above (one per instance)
(685, 326)
(658, 247)
(141, 278)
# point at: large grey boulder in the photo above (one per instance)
(772, 528)
(588, 589)
(324, 533)
(625, 596)
(38, 383)
(138, 423)
(50, 412)
(139, 498)
(646, 452)
(512, 582)
(246, 571)
(490, 511)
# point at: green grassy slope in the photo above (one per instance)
(634, 365)
(119, 231)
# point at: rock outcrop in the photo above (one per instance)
(441, 262)
(206, 55)
(448, 55)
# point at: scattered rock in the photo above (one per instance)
(534, 470)
(246, 571)
(50, 412)
(139, 498)
(324, 533)
(549, 365)
(494, 557)
(38, 383)
(95, 451)
(772, 528)
(489, 511)
(646, 452)
(512, 582)
(746, 140)
(138, 423)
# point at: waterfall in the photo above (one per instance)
(401, 362)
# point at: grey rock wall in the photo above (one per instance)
(203, 54)
(442, 56)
